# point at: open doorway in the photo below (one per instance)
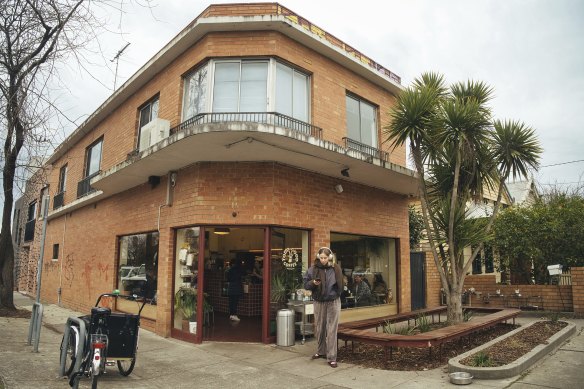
(233, 283)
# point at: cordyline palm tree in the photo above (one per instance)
(459, 152)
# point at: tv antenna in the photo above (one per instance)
(117, 59)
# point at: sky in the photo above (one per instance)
(530, 51)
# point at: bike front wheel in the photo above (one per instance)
(126, 366)
(69, 351)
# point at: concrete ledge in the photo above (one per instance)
(520, 365)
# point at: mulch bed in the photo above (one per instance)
(16, 313)
(418, 358)
(515, 346)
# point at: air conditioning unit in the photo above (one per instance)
(153, 132)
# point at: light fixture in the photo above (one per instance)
(339, 188)
(345, 172)
(221, 231)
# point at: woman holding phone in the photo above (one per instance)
(325, 279)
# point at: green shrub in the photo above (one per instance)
(554, 316)
(392, 329)
(423, 323)
(481, 360)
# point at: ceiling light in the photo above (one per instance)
(221, 231)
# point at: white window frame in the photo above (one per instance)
(375, 136)
(270, 87)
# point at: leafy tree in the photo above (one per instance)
(416, 227)
(459, 152)
(549, 232)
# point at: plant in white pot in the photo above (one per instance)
(185, 303)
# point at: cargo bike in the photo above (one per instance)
(92, 342)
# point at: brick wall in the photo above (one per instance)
(555, 298)
(578, 289)
(208, 193)
(433, 283)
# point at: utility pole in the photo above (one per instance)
(117, 59)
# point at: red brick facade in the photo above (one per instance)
(211, 193)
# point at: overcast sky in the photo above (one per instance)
(530, 51)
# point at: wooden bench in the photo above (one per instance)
(381, 321)
(354, 332)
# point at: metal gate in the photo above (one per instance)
(418, 280)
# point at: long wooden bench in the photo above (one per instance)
(378, 322)
(354, 332)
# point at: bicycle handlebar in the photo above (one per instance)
(132, 297)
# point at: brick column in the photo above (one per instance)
(578, 288)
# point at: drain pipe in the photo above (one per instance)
(60, 289)
(171, 183)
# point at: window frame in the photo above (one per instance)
(361, 101)
(149, 103)
(271, 84)
(34, 213)
(88, 156)
(62, 179)
(55, 252)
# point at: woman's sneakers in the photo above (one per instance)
(234, 318)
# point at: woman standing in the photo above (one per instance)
(325, 280)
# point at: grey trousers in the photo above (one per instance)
(326, 321)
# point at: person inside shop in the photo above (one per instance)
(362, 291)
(347, 300)
(234, 277)
(150, 285)
(325, 280)
(257, 274)
(379, 288)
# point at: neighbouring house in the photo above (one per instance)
(524, 193)
(253, 136)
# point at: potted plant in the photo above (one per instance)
(185, 302)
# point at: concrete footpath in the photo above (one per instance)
(169, 363)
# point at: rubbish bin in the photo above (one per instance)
(285, 327)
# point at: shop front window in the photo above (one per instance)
(138, 269)
(369, 269)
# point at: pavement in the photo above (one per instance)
(170, 363)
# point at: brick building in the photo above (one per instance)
(252, 136)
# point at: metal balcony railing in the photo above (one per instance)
(366, 149)
(29, 230)
(273, 118)
(83, 187)
(58, 200)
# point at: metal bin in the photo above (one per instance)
(285, 327)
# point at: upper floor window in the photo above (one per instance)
(93, 158)
(291, 92)
(246, 86)
(147, 113)
(31, 211)
(361, 121)
(62, 179)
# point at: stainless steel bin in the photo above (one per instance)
(285, 327)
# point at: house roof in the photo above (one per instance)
(520, 190)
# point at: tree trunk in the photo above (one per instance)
(454, 303)
(7, 276)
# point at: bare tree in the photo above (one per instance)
(34, 36)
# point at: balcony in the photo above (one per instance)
(273, 118)
(84, 187)
(351, 144)
(58, 200)
(29, 230)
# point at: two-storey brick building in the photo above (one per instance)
(252, 136)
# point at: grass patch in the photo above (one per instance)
(481, 360)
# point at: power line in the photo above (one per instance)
(563, 163)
